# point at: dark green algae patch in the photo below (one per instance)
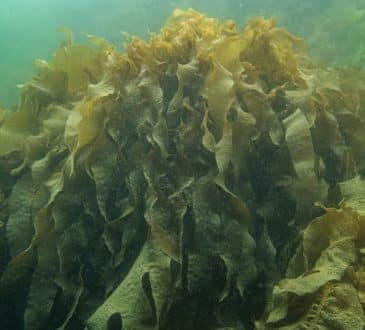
(209, 178)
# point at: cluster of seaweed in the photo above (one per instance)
(173, 186)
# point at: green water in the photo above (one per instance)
(335, 32)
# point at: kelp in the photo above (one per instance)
(166, 187)
(323, 285)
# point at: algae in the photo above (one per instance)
(174, 185)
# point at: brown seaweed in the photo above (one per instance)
(166, 184)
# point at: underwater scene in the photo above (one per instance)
(182, 165)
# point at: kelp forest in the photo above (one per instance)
(210, 177)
